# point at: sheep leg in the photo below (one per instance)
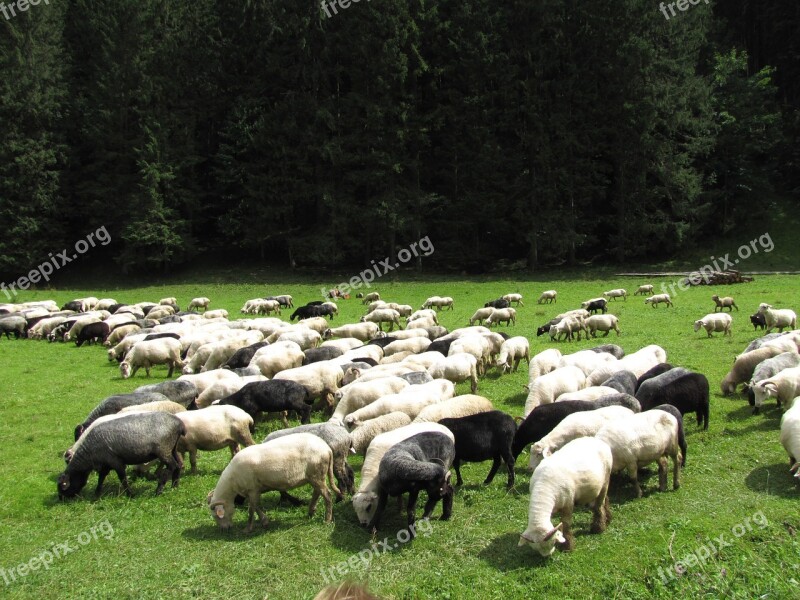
(101, 476)
(662, 474)
(569, 540)
(676, 469)
(123, 478)
(176, 471)
(457, 467)
(599, 521)
(285, 420)
(376, 519)
(193, 460)
(493, 470)
(634, 474)
(607, 332)
(326, 496)
(508, 458)
(312, 507)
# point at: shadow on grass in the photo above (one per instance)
(503, 554)
(774, 480)
(768, 420)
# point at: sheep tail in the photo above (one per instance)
(331, 480)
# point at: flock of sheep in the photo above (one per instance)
(391, 397)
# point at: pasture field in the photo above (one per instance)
(169, 546)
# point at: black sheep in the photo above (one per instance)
(74, 306)
(182, 392)
(421, 462)
(758, 320)
(600, 304)
(688, 393)
(158, 336)
(97, 332)
(382, 341)
(313, 355)
(681, 436)
(546, 327)
(626, 400)
(442, 346)
(306, 312)
(484, 436)
(276, 395)
(616, 351)
(131, 440)
(622, 381)
(114, 404)
(242, 357)
(654, 372)
(499, 303)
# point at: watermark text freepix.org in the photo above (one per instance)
(20, 5)
(361, 559)
(683, 6)
(711, 548)
(45, 558)
(47, 268)
(721, 263)
(384, 266)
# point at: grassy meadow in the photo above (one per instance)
(169, 546)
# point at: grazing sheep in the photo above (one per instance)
(587, 360)
(202, 381)
(514, 298)
(357, 395)
(411, 400)
(654, 372)
(715, 322)
(439, 302)
(502, 315)
(758, 320)
(13, 324)
(594, 305)
(577, 474)
(148, 353)
(681, 435)
(786, 342)
(548, 387)
(761, 341)
(363, 435)
(113, 404)
(579, 424)
(622, 381)
(567, 326)
(302, 336)
(371, 297)
(589, 393)
(340, 442)
(280, 465)
(659, 299)
(457, 368)
(278, 357)
(361, 331)
(644, 290)
(513, 351)
(414, 345)
(460, 406)
(547, 297)
(483, 436)
(242, 357)
(114, 338)
(770, 368)
(743, 368)
(130, 440)
(362, 375)
(219, 390)
(481, 315)
(617, 293)
(320, 380)
(344, 344)
(272, 396)
(420, 462)
(214, 428)
(777, 318)
(641, 439)
(197, 303)
(93, 332)
(722, 303)
(688, 392)
(605, 323)
(365, 500)
(181, 392)
(642, 360)
(167, 406)
(784, 387)
(543, 363)
(499, 303)
(790, 437)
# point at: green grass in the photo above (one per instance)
(169, 546)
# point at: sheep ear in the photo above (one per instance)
(552, 532)
(771, 386)
(546, 452)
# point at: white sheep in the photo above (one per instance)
(544, 362)
(659, 299)
(423, 313)
(406, 334)
(784, 387)
(318, 324)
(587, 361)
(787, 342)
(198, 303)
(567, 326)
(641, 439)
(605, 323)
(589, 393)
(644, 290)
(371, 297)
(361, 331)
(415, 344)
(218, 390)
(220, 313)
(790, 436)
(424, 323)
(638, 363)
(547, 388)
(280, 464)
(365, 500)
(363, 435)
(577, 474)
(475, 345)
(153, 352)
(158, 406)
(360, 394)
(397, 357)
(617, 293)
(383, 315)
(439, 302)
(202, 381)
(423, 361)
(744, 366)
(481, 315)
(222, 351)
(512, 351)
(411, 401)
(214, 428)
(355, 374)
(579, 424)
(320, 379)
(514, 298)
(302, 336)
(456, 368)
(277, 357)
(454, 408)
(780, 318)
(344, 344)
(502, 315)
(547, 297)
(715, 322)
